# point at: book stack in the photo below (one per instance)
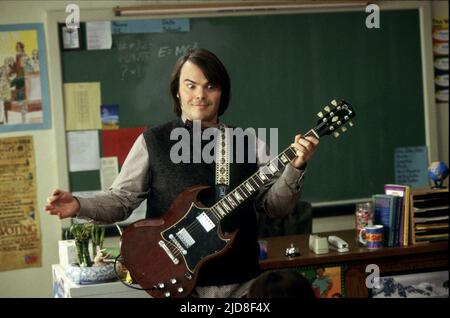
(429, 215)
(391, 210)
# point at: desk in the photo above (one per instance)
(392, 260)
(64, 287)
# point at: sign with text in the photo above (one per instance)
(20, 238)
(411, 166)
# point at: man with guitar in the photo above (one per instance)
(200, 89)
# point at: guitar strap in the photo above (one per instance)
(222, 162)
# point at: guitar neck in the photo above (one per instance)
(260, 178)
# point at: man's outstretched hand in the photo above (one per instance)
(62, 204)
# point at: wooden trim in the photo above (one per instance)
(227, 7)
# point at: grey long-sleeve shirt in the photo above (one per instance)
(130, 188)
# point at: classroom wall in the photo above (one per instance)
(50, 174)
(51, 166)
(439, 9)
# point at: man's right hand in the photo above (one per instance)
(62, 204)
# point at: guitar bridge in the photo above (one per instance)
(168, 252)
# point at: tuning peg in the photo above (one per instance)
(320, 114)
(350, 124)
(343, 129)
(327, 109)
(336, 134)
(334, 102)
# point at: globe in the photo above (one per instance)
(438, 171)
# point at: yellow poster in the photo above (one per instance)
(20, 237)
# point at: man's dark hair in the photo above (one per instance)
(281, 284)
(212, 68)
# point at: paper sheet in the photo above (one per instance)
(110, 116)
(119, 142)
(84, 153)
(82, 106)
(109, 169)
(411, 165)
(98, 35)
(70, 38)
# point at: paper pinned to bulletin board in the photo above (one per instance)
(117, 143)
(20, 237)
(82, 106)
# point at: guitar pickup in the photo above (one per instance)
(206, 222)
(185, 238)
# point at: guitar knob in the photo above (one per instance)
(161, 285)
(173, 281)
(180, 290)
(167, 294)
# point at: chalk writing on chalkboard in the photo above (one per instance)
(135, 54)
(178, 50)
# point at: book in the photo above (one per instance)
(384, 209)
(402, 191)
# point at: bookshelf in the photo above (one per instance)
(429, 215)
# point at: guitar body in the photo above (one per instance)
(164, 255)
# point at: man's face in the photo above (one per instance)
(199, 98)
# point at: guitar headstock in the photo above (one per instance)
(333, 118)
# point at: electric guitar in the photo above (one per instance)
(164, 255)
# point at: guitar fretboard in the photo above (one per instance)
(263, 176)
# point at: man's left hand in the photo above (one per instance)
(305, 146)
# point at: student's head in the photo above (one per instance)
(200, 86)
(320, 271)
(20, 47)
(281, 284)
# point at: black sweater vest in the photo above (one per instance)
(167, 180)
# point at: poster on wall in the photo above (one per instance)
(20, 238)
(24, 100)
(326, 281)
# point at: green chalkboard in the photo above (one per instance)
(284, 69)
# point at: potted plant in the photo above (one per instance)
(88, 271)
